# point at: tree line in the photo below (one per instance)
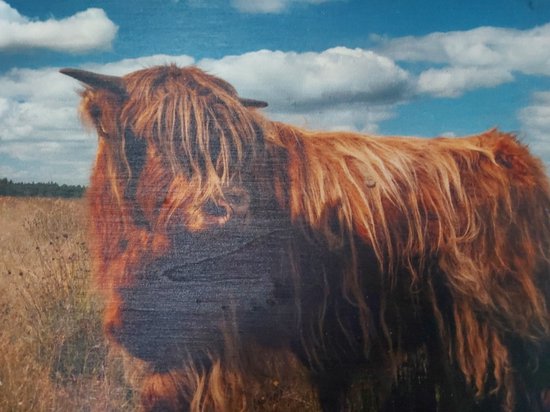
(50, 189)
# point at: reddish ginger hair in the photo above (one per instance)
(458, 227)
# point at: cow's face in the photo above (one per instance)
(187, 233)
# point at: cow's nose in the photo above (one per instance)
(163, 322)
(156, 337)
(135, 332)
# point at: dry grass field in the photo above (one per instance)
(53, 356)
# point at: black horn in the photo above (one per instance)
(252, 103)
(96, 80)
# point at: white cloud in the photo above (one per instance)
(454, 81)
(126, 66)
(535, 122)
(482, 57)
(363, 118)
(41, 137)
(340, 87)
(9, 14)
(36, 103)
(526, 51)
(43, 161)
(269, 6)
(84, 31)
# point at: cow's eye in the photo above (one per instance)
(238, 200)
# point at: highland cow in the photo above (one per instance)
(233, 250)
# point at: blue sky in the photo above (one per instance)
(426, 67)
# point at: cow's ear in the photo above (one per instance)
(97, 81)
(99, 110)
(101, 100)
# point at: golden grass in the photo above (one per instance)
(53, 356)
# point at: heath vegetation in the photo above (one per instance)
(53, 357)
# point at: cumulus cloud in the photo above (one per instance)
(535, 121)
(354, 117)
(34, 101)
(522, 50)
(269, 6)
(454, 81)
(40, 134)
(84, 31)
(43, 161)
(125, 66)
(339, 87)
(482, 57)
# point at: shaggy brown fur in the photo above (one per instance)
(379, 250)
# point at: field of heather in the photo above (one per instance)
(53, 356)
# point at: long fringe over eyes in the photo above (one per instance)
(195, 125)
